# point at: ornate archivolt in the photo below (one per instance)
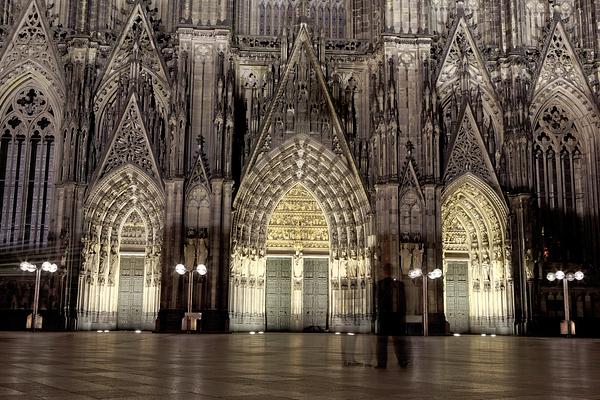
(122, 202)
(338, 191)
(474, 224)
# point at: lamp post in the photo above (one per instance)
(182, 270)
(29, 267)
(566, 278)
(415, 274)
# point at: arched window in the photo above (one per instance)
(559, 174)
(411, 217)
(558, 162)
(261, 22)
(26, 168)
(268, 19)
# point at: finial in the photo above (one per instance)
(409, 149)
(556, 12)
(303, 11)
(460, 8)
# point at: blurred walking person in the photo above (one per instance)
(391, 318)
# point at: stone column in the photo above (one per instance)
(522, 259)
(171, 312)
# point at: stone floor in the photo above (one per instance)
(124, 365)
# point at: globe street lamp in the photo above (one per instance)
(29, 267)
(182, 270)
(566, 278)
(418, 273)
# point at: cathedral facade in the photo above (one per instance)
(294, 147)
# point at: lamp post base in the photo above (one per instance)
(567, 328)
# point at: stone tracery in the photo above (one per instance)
(27, 164)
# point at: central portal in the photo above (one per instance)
(297, 268)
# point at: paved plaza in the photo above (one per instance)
(126, 365)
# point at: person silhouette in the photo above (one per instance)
(391, 318)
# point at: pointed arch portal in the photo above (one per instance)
(119, 282)
(330, 245)
(477, 266)
(297, 264)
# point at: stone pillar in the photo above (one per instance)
(216, 204)
(522, 259)
(432, 235)
(171, 311)
(386, 206)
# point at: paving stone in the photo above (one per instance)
(123, 365)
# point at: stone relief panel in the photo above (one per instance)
(298, 223)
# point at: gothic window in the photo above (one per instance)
(410, 215)
(276, 20)
(268, 19)
(535, 16)
(198, 209)
(558, 162)
(341, 22)
(261, 21)
(26, 168)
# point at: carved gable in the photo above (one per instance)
(463, 71)
(199, 175)
(136, 53)
(462, 60)
(302, 105)
(468, 153)
(560, 63)
(410, 181)
(30, 43)
(130, 144)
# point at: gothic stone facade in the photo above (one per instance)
(294, 147)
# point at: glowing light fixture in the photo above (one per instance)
(201, 269)
(180, 269)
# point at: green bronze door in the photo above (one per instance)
(278, 298)
(457, 296)
(316, 290)
(131, 289)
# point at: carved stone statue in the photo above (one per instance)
(529, 264)
(298, 265)
(508, 264)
